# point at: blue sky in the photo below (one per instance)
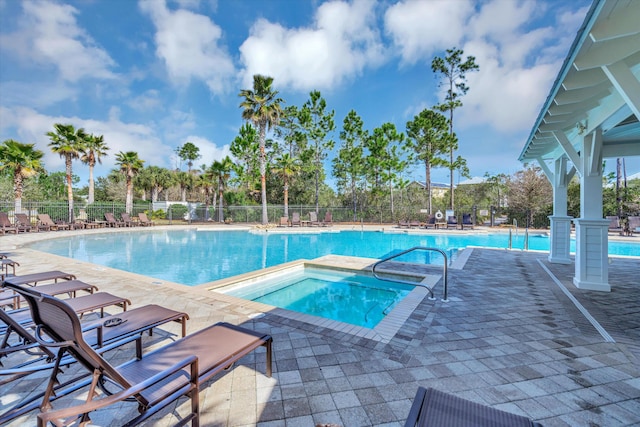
(151, 75)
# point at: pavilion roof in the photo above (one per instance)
(597, 86)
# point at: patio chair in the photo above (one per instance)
(23, 223)
(414, 223)
(284, 222)
(466, 221)
(452, 222)
(144, 220)
(328, 219)
(112, 221)
(5, 224)
(154, 381)
(313, 219)
(98, 334)
(432, 407)
(403, 223)
(295, 219)
(45, 221)
(126, 220)
(431, 222)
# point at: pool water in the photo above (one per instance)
(193, 257)
(347, 297)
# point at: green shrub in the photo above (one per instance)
(176, 212)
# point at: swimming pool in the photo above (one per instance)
(348, 297)
(193, 257)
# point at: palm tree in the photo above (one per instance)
(25, 162)
(286, 166)
(68, 143)
(262, 107)
(93, 150)
(186, 181)
(130, 164)
(222, 171)
(204, 182)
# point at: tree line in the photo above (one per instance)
(279, 157)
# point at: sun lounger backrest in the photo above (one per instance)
(4, 220)
(313, 217)
(45, 219)
(60, 322)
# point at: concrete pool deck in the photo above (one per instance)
(515, 335)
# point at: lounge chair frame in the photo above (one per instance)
(432, 407)
(154, 380)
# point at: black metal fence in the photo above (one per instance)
(181, 213)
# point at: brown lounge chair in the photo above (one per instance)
(5, 224)
(69, 287)
(47, 223)
(313, 219)
(328, 219)
(435, 408)
(284, 222)
(144, 220)
(155, 380)
(126, 220)
(35, 278)
(23, 223)
(295, 219)
(97, 333)
(112, 221)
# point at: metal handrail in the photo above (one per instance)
(444, 272)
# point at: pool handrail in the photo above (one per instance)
(424, 248)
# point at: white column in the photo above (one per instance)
(560, 233)
(592, 254)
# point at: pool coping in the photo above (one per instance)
(383, 332)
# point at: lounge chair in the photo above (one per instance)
(35, 278)
(435, 408)
(5, 224)
(23, 223)
(633, 224)
(98, 334)
(414, 223)
(68, 287)
(112, 221)
(284, 222)
(295, 219)
(431, 222)
(403, 223)
(614, 223)
(155, 380)
(126, 220)
(466, 221)
(313, 219)
(144, 220)
(328, 219)
(452, 221)
(45, 221)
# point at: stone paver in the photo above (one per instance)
(508, 337)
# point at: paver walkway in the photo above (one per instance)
(509, 337)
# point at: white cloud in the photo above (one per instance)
(48, 34)
(515, 61)
(209, 151)
(342, 42)
(190, 46)
(31, 127)
(420, 28)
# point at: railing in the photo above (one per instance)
(423, 248)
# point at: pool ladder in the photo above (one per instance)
(422, 248)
